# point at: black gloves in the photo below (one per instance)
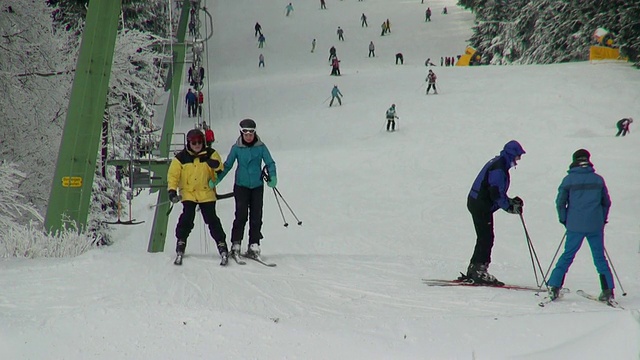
(213, 163)
(173, 196)
(515, 205)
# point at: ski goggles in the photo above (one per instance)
(248, 131)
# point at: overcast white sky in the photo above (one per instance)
(380, 210)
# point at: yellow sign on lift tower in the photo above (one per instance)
(72, 181)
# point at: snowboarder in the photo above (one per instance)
(488, 194)
(391, 118)
(372, 49)
(335, 94)
(384, 28)
(261, 60)
(427, 15)
(623, 126)
(289, 9)
(261, 40)
(399, 57)
(444, 11)
(583, 208)
(363, 19)
(191, 101)
(431, 81)
(429, 63)
(313, 45)
(189, 173)
(248, 189)
(340, 33)
(258, 29)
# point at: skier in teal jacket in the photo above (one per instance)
(248, 190)
(583, 208)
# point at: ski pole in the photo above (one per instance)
(325, 100)
(159, 204)
(275, 189)
(554, 257)
(532, 254)
(624, 293)
(280, 207)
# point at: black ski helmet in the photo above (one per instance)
(247, 124)
(195, 134)
(581, 155)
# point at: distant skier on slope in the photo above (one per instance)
(391, 118)
(623, 126)
(431, 80)
(335, 94)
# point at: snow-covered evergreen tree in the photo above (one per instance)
(550, 31)
(37, 61)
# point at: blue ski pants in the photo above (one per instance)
(572, 245)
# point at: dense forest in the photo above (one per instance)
(551, 31)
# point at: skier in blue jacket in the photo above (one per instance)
(583, 208)
(488, 194)
(335, 94)
(248, 190)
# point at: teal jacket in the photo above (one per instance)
(250, 159)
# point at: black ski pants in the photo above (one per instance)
(483, 223)
(248, 207)
(391, 124)
(334, 98)
(185, 224)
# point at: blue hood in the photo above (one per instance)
(511, 150)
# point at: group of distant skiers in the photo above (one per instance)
(193, 102)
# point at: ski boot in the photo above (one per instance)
(606, 295)
(477, 273)
(253, 251)
(554, 293)
(235, 249)
(178, 260)
(224, 258)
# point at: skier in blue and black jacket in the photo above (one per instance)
(583, 208)
(488, 194)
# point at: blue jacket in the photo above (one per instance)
(491, 185)
(335, 91)
(250, 159)
(583, 200)
(190, 98)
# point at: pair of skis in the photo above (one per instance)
(461, 282)
(236, 257)
(611, 302)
